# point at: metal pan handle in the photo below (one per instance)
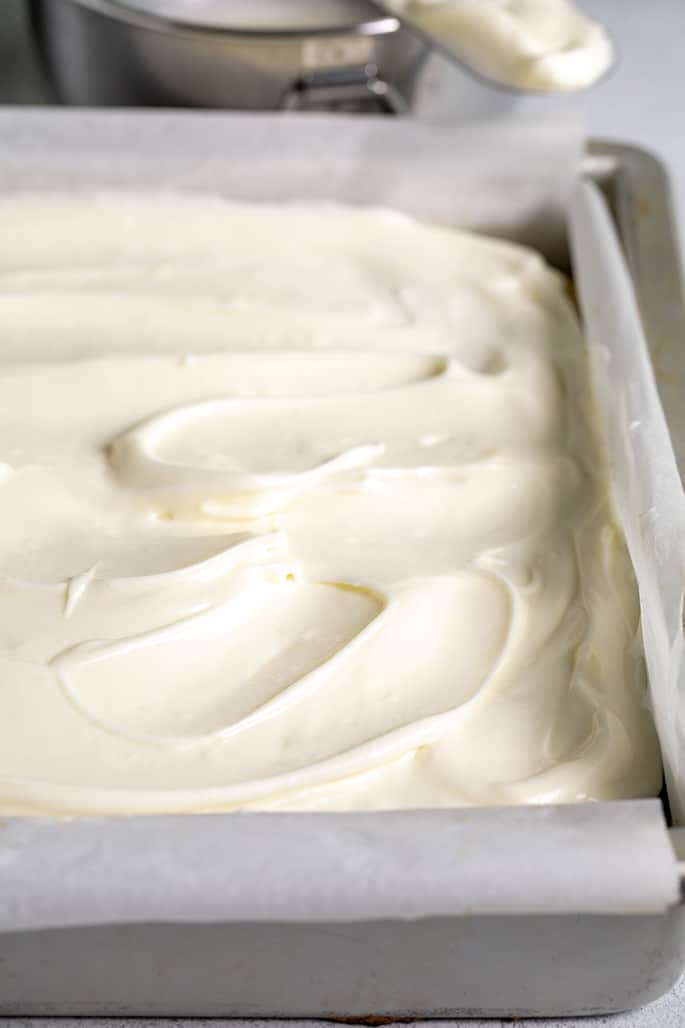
(347, 89)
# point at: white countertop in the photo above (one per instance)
(665, 1013)
(642, 103)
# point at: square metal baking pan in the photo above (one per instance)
(480, 941)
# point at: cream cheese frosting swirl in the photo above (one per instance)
(303, 507)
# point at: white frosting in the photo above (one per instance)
(301, 508)
(546, 45)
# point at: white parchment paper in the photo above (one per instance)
(508, 179)
(647, 486)
(504, 178)
(344, 867)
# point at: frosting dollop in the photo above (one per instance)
(541, 45)
(303, 507)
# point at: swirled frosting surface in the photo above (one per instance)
(302, 508)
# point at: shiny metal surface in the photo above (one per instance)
(261, 15)
(107, 53)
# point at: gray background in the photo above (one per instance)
(642, 102)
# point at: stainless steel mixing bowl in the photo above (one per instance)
(264, 54)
